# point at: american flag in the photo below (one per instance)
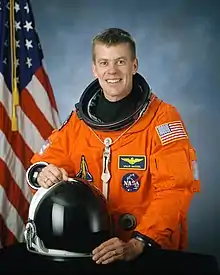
(171, 131)
(28, 113)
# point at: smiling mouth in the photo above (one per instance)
(113, 81)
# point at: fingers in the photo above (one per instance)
(64, 174)
(107, 258)
(51, 175)
(110, 244)
(109, 251)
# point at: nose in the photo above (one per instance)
(112, 68)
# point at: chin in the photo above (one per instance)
(115, 93)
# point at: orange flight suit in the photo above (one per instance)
(153, 171)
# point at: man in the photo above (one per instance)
(133, 146)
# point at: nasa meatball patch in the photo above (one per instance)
(131, 182)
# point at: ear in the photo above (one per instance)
(94, 70)
(135, 66)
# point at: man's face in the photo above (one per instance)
(114, 67)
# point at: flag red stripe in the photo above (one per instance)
(6, 236)
(32, 111)
(43, 78)
(18, 144)
(13, 191)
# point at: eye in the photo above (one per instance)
(103, 63)
(121, 62)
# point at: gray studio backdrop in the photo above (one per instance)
(179, 54)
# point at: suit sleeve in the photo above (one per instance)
(56, 148)
(174, 180)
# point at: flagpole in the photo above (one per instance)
(15, 94)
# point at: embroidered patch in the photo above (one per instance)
(44, 147)
(170, 132)
(134, 162)
(84, 171)
(131, 182)
(65, 121)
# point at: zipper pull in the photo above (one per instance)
(105, 166)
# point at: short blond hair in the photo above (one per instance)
(113, 37)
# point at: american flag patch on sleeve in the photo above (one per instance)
(171, 131)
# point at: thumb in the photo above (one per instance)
(64, 174)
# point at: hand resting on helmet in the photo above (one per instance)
(50, 175)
